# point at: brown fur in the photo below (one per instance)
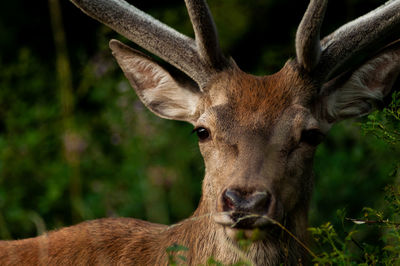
(123, 241)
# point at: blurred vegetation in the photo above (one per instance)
(76, 144)
(353, 245)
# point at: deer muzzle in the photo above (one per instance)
(246, 210)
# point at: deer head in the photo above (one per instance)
(257, 135)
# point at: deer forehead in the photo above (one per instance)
(240, 101)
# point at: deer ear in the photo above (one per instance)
(166, 96)
(356, 93)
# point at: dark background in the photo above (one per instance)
(76, 144)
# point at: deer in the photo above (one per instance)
(257, 134)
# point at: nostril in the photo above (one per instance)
(231, 199)
(260, 202)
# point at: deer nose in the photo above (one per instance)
(256, 202)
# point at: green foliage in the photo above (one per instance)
(347, 248)
(352, 166)
(212, 262)
(175, 256)
(326, 235)
(385, 124)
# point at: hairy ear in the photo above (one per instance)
(355, 93)
(163, 94)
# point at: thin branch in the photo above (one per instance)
(372, 222)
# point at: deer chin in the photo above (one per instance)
(254, 235)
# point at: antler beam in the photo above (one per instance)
(199, 59)
(349, 45)
(358, 39)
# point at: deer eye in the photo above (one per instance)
(312, 137)
(202, 133)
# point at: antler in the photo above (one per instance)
(308, 47)
(199, 59)
(352, 43)
(205, 33)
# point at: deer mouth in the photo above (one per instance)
(243, 220)
(245, 225)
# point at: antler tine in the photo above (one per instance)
(308, 47)
(354, 41)
(151, 34)
(205, 33)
